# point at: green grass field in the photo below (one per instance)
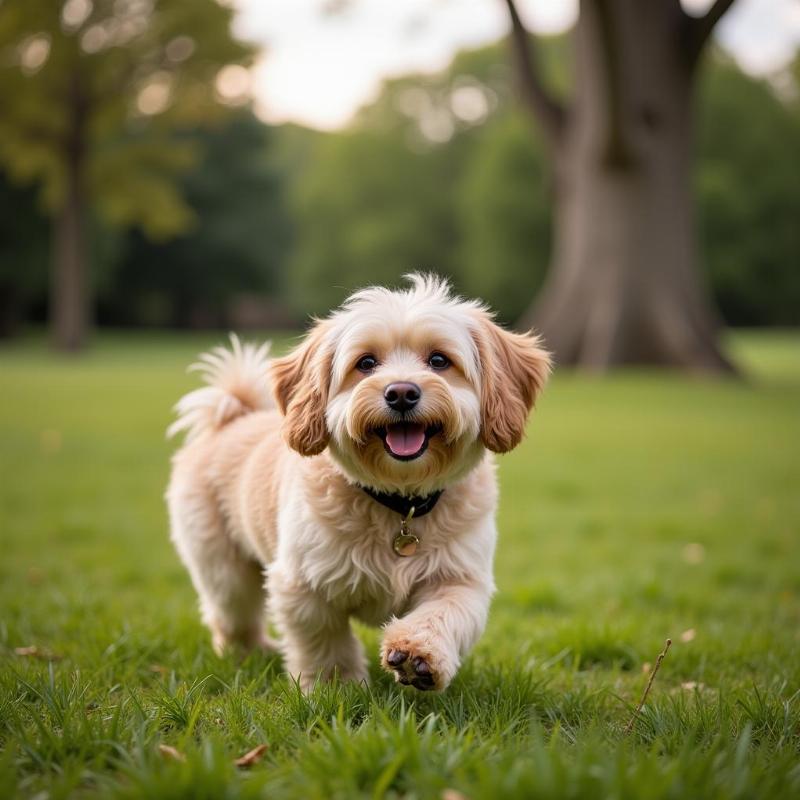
(641, 506)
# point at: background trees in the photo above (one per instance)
(92, 92)
(441, 172)
(23, 253)
(623, 285)
(504, 216)
(748, 166)
(237, 244)
(366, 208)
(481, 206)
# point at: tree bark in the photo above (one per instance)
(623, 286)
(69, 290)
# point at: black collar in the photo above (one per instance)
(402, 504)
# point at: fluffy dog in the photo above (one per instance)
(352, 478)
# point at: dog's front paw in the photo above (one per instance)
(417, 660)
(412, 670)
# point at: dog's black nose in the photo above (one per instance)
(402, 396)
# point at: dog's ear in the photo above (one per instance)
(300, 383)
(514, 369)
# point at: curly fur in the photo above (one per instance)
(265, 498)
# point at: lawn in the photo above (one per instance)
(641, 506)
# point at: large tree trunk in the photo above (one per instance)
(623, 286)
(69, 288)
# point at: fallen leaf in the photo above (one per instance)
(32, 651)
(694, 553)
(170, 752)
(690, 686)
(253, 757)
(688, 635)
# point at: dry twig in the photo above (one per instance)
(629, 726)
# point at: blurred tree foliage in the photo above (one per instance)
(441, 172)
(368, 210)
(92, 92)
(504, 214)
(438, 173)
(748, 183)
(238, 243)
(23, 254)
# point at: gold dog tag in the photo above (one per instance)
(405, 543)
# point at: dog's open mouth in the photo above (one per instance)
(406, 441)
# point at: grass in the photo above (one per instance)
(641, 506)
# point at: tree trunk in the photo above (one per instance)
(69, 290)
(623, 286)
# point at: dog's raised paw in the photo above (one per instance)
(411, 670)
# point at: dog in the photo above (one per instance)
(354, 478)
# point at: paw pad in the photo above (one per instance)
(414, 671)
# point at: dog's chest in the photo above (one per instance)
(365, 576)
(386, 594)
(343, 548)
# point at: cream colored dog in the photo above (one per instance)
(364, 489)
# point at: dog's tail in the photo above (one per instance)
(237, 384)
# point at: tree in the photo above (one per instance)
(623, 285)
(369, 210)
(23, 256)
(504, 215)
(442, 171)
(92, 93)
(749, 203)
(239, 244)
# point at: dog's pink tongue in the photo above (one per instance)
(405, 438)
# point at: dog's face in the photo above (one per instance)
(407, 388)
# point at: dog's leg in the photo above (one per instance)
(316, 638)
(424, 648)
(230, 586)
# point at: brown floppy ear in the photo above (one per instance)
(300, 383)
(514, 370)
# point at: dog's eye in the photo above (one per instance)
(366, 363)
(438, 361)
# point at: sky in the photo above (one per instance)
(318, 68)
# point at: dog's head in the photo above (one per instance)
(407, 388)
